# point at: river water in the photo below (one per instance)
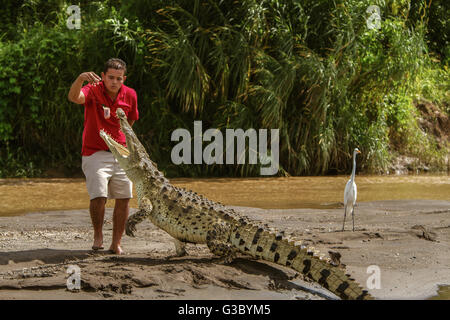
(19, 196)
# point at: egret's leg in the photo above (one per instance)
(345, 213)
(353, 217)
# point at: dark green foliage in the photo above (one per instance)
(310, 68)
(435, 13)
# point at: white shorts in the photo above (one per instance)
(105, 178)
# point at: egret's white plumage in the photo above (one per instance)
(351, 192)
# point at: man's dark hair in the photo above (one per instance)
(115, 63)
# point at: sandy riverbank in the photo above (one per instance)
(408, 240)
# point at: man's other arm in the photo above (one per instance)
(134, 111)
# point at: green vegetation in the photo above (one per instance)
(311, 68)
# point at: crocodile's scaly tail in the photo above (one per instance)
(260, 243)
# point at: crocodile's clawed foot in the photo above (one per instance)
(177, 255)
(225, 260)
(130, 229)
(180, 248)
(181, 254)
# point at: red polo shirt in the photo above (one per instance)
(94, 116)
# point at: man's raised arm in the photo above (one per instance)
(75, 94)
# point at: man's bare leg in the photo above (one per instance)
(120, 216)
(97, 212)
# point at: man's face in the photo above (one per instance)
(113, 79)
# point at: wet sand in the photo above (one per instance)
(409, 240)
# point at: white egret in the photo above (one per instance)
(350, 192)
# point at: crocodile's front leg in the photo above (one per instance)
(180, 248)
(145, 209)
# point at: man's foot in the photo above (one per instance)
(98, 244)
(116, 250)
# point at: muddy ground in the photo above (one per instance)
(408, 240)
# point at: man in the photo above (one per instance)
(104, 177)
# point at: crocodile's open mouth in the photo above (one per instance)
(123, 151)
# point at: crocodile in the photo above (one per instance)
(192, 218)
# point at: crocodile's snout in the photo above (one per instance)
(120, 113)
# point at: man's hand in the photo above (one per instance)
(75, 94)
(90, 77)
